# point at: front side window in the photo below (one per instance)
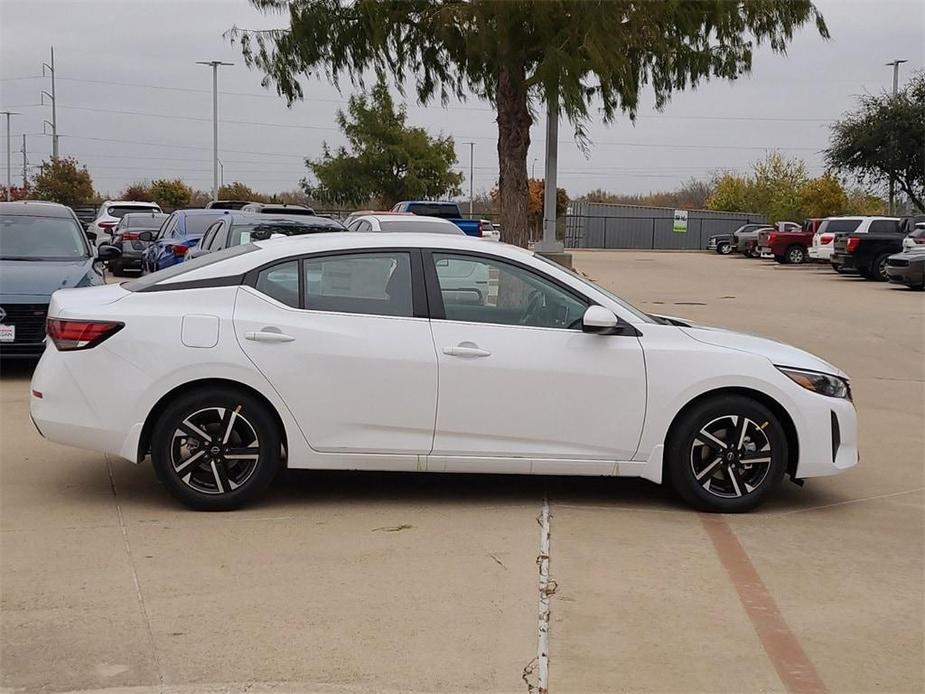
(40, 238)
(889, 226)
(486, 290)
(377, 284)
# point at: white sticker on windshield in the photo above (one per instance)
(245, 237)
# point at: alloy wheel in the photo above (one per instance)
(730, 456)
(215, 450)
(796, 255)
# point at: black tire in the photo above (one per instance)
(877, 270)
(864, 272)
(795, 255)
(734, 485)
(780, 259)
(115, 267)
(227, 476)
(838, 269)
(724, 248)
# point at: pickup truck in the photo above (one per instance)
(868, 252)
(443, 210)
(790, 246)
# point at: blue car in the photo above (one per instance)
(43, 248)
(179, 232)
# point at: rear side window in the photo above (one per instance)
(148, 283)
(839, 226)
(119, 211)
(377, 284)
(889, 226)
(280, 282)
(432, 210)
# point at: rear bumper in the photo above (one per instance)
(845, 261)
(21, 350)
(766, 252)
(820, 252)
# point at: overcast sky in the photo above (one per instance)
(133, 105)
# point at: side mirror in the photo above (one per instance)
(107, 251)
(147, 236)
(91, 235)
(600, 321)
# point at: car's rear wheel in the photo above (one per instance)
(796, 255)
(877, 270)
(726, 455)
(115, 267)
(216, 449)
(724, 248)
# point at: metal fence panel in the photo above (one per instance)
(602, 225)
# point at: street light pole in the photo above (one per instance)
(9, 167)
(896, 63)
(215, 64)
(471, 168)
(549, 244)
(221, 174)
(25, 162)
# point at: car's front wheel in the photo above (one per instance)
(216, 449)
(726, 454)
(724, 248)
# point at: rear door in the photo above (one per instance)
(344, 339)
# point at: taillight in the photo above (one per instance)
(826, 238)
(485, 228)
(772, 237)
(177, 249)
(853, 244)
(70, 335)
(920, 239)
(107, 225)
(129, 235)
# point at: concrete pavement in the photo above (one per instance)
(348, 582)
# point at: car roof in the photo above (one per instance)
(407, 217)
(36, 208)
(131, 203)
(199, 211)
(244, 218)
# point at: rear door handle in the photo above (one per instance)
(466, 349)
(268, 335)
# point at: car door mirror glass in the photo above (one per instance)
(599, 320)
(147, 236)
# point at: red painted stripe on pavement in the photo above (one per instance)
(780, 643)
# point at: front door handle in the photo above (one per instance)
(466, 349)
(268, 335)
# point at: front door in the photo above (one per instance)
(354, 364)
(518, 377)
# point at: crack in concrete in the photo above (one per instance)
(131, 561)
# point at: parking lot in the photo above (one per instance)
(350, 582)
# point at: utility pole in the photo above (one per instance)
(9, 169)
(471, 167)
(533, 169)
(221, 174)
(215, 64)
(54, 104)
(549, 245)
(896, 63)
(25, 162)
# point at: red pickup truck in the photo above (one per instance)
(788, 246)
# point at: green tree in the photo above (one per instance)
(775, 187)
(730, 194)
(65, 181)
(238, 191)
(584, 57)
(883, 139)
(139, 191)
(387, 159)
(824, 196)
(171, 194)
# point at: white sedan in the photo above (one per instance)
(357, 351)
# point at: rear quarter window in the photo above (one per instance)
(889, 226)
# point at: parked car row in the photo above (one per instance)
(875, 247)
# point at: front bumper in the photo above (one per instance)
(909, 275)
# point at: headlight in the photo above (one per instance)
(824, 384)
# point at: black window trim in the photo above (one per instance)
(419, 302)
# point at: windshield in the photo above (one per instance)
(645, 317)
(196, 225)
(427, 209)
(423, 226)
(839, 226)
(119, 211)
(41, 238)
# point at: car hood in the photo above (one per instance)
(41, 277)
(778, 353)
